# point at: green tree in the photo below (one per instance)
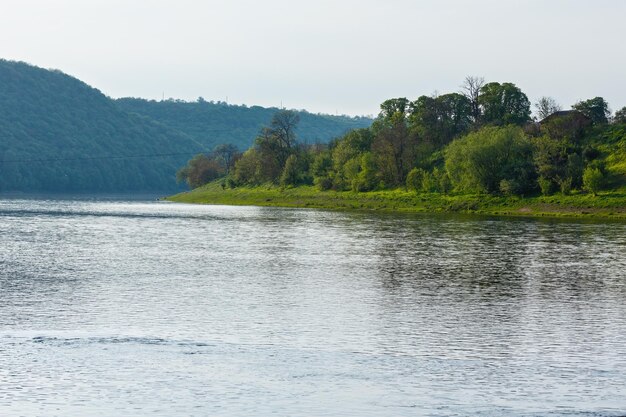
(290, 174)
(503, 104)
(597, 109)
(348, 148)
(366, 179)
(620, 116)
(394, 106)
(199, 171)
(393, 147)
(322, 170)
(546, 106)
(414, 179)
(248, 167)
(481, 160)
(226, 154)
(276, 143)
(471, 90)
(440, 119)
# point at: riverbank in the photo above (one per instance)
(605, 205)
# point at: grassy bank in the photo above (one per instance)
(605, 205)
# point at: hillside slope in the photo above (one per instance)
(215, 123)
(59, 134)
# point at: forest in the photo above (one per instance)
(483, 139)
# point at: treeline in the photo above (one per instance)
(212, 123)
(481, 139)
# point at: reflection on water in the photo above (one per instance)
(114, 308)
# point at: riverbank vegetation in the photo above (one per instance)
(447, 151)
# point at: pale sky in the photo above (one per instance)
(341, 56)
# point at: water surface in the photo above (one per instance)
(111, 308)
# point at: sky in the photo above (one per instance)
(337, 57)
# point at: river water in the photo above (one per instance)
(137, 308)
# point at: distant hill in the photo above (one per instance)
(215, 123)
(58, 134)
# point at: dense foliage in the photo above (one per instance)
(481, 140)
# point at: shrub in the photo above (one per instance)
(545, 185)
(414, 179)
(565, 185)
(289, 176)
(481, 160)
(593, 179)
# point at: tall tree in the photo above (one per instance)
(392, 106)
(227, 154)
(471, 90)
(504, 104)
(440, 119)
(276, 143)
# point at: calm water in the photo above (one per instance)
(113, 308)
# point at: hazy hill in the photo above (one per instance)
(59, 134)
(214, 123)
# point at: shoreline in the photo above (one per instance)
(604, 206)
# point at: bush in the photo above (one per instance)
(565, 185)
(289, 176)
(366, 179)
(546, 186)
(593, 179)
(414, 179)
(444, 185)
(323, 183)
(508, 187)
(481, 160)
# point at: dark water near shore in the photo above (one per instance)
(127, 308)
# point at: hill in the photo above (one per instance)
(214, 123)
(58, 134)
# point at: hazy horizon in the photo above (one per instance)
(336, 58)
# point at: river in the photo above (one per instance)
(137, 308)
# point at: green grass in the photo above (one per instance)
(605, 205)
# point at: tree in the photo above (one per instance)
(366, 179)
(248, 167)
(504, 104)
(394, 149)
(620, 116)
(226, 153)
(289, 177)
(471, 90)
(481, 160)
(440, 119)
(414, 179)
(276, 143)
(545, 106)
(597, 109)
(199, 171)
(390, 107)
(321, 169)
(351, 146)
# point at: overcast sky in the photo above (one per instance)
(344, 56)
